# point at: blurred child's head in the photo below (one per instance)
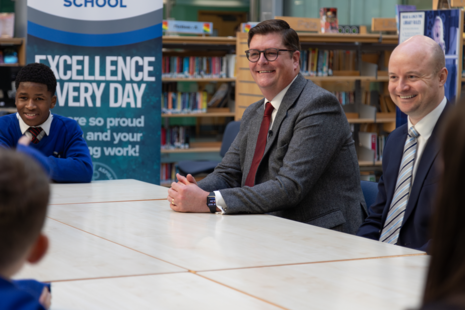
(35, 93)
(24, 194)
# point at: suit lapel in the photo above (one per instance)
(289, 99)
(430, 153)
(252, 133)
(392, 174)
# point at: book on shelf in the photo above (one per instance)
(321, 62)
(220, 98)
(174, 137)
(374, 142)
(168, 173)
(345, 97)
(175, 102)
(369, 140)
(7, 25)
(367, 177)
(328, 20)
(198, 67)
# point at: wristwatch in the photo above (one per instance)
(211, 202)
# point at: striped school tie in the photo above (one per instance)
(393, 222)
(36, 134)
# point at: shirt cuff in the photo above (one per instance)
(220, 202)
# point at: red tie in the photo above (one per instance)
(35, 131)
(260, 146)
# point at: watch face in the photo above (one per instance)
(211, 201)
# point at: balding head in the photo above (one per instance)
(417, 75)
(426, 46)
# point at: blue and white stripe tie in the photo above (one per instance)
(393, 222)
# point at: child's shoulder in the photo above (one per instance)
(64, 121)
(10, 118)
(12, 297)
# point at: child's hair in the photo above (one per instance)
(24, 194)
(37, 73)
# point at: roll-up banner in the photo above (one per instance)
(106, 56)
(445, 27)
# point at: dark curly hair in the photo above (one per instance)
(37, 73)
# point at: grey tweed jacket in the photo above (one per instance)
(309, 172)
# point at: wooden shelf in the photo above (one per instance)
(369, 163)
(10, 110)
(11, 41)
(345, 38)
(199, 40)
(304, 38)
(198, 79)
(347, 78)
(193, 150)
(224, 114)
(9, 65)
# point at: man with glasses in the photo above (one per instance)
(294, 156)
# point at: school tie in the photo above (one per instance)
(36, 134)
(393, 222)
(260, 145)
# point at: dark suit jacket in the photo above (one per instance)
(414, 232)
(309, 172)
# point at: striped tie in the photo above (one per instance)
(35, 133)
(399, 202)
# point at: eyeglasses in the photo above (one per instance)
(271, 54)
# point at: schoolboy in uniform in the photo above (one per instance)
(24, 195)
(58, 138)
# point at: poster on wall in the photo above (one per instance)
(106, 56)
(444, 27)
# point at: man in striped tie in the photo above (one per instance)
(402, 211)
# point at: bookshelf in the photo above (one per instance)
(203, 144)
(17, 44)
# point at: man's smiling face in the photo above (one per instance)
(273, 76)
(34, 101)
(415, 84)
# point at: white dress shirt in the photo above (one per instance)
(45, 125)
(425, 128)
(276, 103)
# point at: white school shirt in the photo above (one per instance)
(45, 125)
(425, 128)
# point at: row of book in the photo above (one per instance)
(199, 67)
(319, 62)
(175, 102)
(167, 173)
(176, 137)
(372, 141)
(183, 103)
(345, 97)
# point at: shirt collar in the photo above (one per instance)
(426, 125)
(276, 102)
(45, 125)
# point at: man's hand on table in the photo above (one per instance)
(186, 196)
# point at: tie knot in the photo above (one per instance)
(268, 109)
(36, 134)
(413, 133)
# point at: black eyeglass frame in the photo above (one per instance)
(247, 53)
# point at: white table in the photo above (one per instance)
(138, 254)
(106, 191)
